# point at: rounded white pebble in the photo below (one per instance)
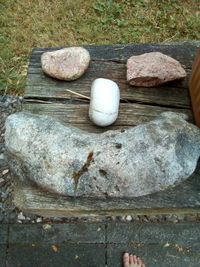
(104, 102)
(128, 218)
(38, 220)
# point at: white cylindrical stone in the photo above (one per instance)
(104, 102)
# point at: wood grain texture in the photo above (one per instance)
(194, 87)
(45, 95)
(109, 61)
(40, 85)
(182, 198)
(77, 115)
(182, 51)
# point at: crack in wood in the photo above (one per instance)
(118, 61)
(52, 100)
(62, 100)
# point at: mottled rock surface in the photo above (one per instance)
(66, 64)
(138, 161)
(151, 69)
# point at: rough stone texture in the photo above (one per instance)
(155, 255)
(151, 69)
(158, 244)
(161, 245)
(157, 233)
(56, 255)
(3, 233)
(57, 244)
(47, 233)
(3, 245)
(129, 163)
(3, 254)
(66, 64)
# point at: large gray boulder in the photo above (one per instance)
(135, 162)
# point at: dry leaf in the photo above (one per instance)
(46, 226)
(55, 248)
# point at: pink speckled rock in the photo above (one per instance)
(153, 69)
(66, 64)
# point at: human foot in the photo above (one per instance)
(130, 260)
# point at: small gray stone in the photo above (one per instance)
(4, 195)
(39, 220)
(181, 217)
(65, 160)
(151, 69)
(20, 216)
(66, 64)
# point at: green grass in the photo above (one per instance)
(25, 24)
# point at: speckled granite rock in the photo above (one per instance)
(138, 161)
(151, 69)
(66, 64)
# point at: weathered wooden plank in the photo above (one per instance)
(138, 105)
(109, 62)
(97, 69)
(173, 94)
(183, 198)
(77, 114)
(182, 51)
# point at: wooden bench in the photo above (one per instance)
(45, 95)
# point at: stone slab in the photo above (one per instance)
(3, 233)
(158, 244)
(3, 255)
(48, 233)
(184, 234)
(56, 255)
(155, 255)
(102, 244)
(123, 232)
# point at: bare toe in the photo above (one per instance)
(134, 259)
(139, 262)
(131, 259)
(126, 259)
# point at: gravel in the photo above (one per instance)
(11, 214)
